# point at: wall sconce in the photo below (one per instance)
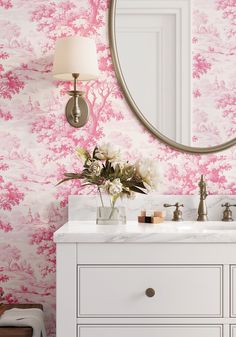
(76, 59)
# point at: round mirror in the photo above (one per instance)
(176, 63)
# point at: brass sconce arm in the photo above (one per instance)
(77, 112)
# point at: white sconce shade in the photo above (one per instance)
(75, 55)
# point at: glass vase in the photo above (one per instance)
(111, 216)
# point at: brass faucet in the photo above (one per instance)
(227, 214)
(202, 208)
(177, 215)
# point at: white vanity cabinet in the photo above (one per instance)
(143, 281)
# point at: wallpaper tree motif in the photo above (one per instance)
(38, 145)
(214, 84)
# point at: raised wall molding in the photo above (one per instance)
(154, 46)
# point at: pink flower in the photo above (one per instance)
(3, 55)
(10, 299)
(10, 85)
(5, 4)
(3, 167)
(196, 93)
(4, 278)
(6, 115)
(9, 196)
(228, 8)
(105, 63)
(200, 66)
(24, 289)
(6, 227)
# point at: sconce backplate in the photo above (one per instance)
(84, 111)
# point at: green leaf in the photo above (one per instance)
(87, 184)
(117, 171)
(83, 153)
(73, 175)
(94, 152)
(63, 180)
(140, 184)
(132, 182)
(137, 190)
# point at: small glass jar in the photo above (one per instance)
(111, 216)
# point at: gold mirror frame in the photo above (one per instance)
(134, 107)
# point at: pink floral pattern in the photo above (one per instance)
(38, 145)
(214, 52)
(5, 4)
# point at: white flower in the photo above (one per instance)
(115, 163)
(95, 168)
(108, 151)
(128, 170)
(114, 187)
(147, 169)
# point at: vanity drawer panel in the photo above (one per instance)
(151, 331)
(233, 291)
(180, 291)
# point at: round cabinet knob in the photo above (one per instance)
(150, 292)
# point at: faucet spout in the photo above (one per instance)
(202, 208)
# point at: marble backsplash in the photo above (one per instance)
(83, 207)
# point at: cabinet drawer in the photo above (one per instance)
(180, 291)
(151, 331)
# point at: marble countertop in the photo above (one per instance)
(168, 231)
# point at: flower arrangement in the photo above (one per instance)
(105, 169)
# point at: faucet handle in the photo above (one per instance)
(227, 205)
(227, 214)
(177, 205)
(177, 214)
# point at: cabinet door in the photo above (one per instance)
(158, 291)
(233, 331)
(233, 291)
(151, 331)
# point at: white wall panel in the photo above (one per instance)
(154, 49)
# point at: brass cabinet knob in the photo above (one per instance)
(150, 292)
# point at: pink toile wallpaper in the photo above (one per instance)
(214, 71)
(37, 144)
